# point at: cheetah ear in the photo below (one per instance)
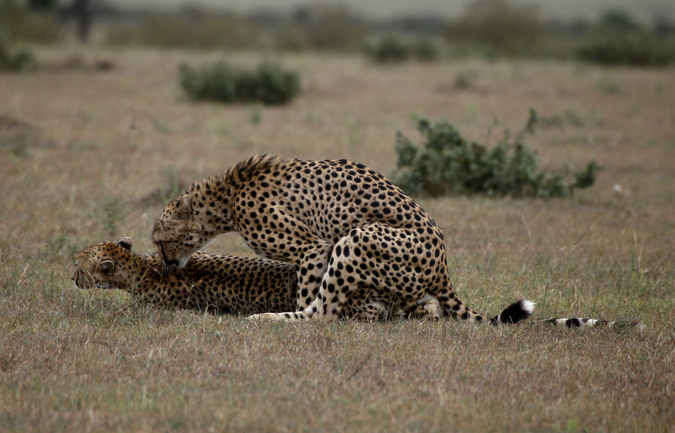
(184, 205)
(107, 266)
(126, 242)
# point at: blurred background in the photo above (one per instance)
(606, 31)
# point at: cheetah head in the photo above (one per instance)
(104, 265)
(178, 234)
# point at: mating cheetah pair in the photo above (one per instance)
(350, 243)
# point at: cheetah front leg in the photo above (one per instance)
(311, 269)
(318, 309)
(326, 301)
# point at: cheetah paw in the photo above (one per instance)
(266, 316)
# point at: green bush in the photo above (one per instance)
(269, 83)
(448, 164)
(16, 60)
(13, 59)
(393, 49)
(424, 50)
(387, 50)
(636, 48)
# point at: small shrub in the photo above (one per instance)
(424, 50)
(13, 59)
(449, 164)
(18, 137)
(16, 60)
(255, 114)
(464, 80)
(269, 83)
(607, 85)
(633, 48)
(396, 50)
(387, 50)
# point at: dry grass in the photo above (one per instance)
(100, 150)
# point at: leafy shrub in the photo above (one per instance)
(395, 50)
(449, 164)
(636, 48)
(424, 50)
(269, 83)
(387, 50)
(16, 60)
(13, 59)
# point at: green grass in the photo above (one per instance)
(74, 360)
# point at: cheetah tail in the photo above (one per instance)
(583, 322)
(514, 313)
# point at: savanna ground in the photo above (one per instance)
(91, 156)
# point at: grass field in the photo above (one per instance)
(90, 156)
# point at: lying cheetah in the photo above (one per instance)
(226, 284)
(343, 225)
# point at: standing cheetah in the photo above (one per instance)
(345, 227)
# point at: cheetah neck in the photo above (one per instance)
(143, 273)
(211, 205)
(212, 197)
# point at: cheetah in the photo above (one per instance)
(224, 284)
(343, 225)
